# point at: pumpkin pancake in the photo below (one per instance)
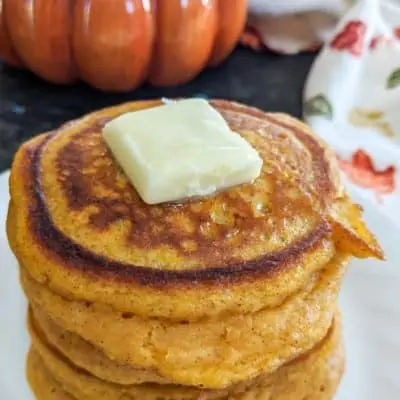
(212, 353)
(314, 375)
(79, 227)
(86, 356)
(44, 387)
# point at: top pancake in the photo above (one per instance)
(77, 224)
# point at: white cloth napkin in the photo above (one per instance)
(292, 26)
(352, 89)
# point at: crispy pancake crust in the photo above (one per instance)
(79, 226)
(214, 353)
(314, 375)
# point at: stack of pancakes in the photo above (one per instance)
(227, 297)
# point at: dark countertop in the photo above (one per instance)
(29, 106)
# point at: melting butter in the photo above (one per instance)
(180, 150)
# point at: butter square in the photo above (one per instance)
(179, 150)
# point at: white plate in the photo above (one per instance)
(370, 302)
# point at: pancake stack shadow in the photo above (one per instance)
(229, 297)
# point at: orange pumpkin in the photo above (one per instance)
(119, 44)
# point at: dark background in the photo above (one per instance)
(29, 106)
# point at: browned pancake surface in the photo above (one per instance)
(79, 224)
(83, 203)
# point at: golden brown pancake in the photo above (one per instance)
(213, 353)
(44, 387)
(88, 357)
(314, 375)
(79, 226)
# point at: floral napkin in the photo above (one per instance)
(351, 98)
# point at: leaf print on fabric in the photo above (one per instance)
(380, 40)
(318, 105)
(374, 119)
(361, 171)
(374, 42)
(351, 38)
(393, 80)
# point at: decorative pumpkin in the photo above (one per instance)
(119, 44)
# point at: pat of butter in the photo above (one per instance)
(180, 150)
